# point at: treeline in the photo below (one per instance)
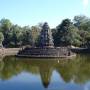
(75, 32)
(69, 32)
(15, 36)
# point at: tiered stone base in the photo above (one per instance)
(46, 52)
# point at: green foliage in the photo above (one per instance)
(83, 23)
(75, 33)
(15, 36)
(35, 31)
(5, 27)
(80, 19)
(73, 37)
(26, 36)
(1, 38)
(67, 34)
(62, 30)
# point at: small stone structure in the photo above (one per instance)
(46, 47)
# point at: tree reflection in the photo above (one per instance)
(77, 69)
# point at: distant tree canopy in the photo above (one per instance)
(15, 36)
(69, 32)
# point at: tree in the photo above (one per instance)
(87, 39)
(27, 36)
(82, 22)
(73, 37)
(78, 20)
(67, 34)
(5, 26)
(15, 36)
(1, 39)
(59, 38)
(35, 31)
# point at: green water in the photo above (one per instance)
(45, 73)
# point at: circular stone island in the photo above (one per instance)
(62, 52)
(45, 47)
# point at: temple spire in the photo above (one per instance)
(46, 39)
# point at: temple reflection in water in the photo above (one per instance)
(77, 69)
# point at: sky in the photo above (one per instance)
(32, 12)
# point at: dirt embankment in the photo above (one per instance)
(9, 51)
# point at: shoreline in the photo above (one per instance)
(9, 51)
(14, 51)
(28, 56)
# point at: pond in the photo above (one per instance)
(45, 73)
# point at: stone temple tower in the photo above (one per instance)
(46, 39)
(45, 48)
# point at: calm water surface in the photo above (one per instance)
(45, 74)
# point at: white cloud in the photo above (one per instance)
(85, 3)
